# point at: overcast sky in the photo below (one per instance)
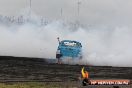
(91, 11)
(107, 45)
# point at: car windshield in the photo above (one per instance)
(71, 44)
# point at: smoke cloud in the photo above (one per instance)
(109, 46)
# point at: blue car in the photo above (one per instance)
(69, 48)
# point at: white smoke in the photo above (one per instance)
(101, 45)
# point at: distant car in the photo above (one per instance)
(69, 49)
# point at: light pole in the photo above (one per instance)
(78, 7)
(78, 12)
(30, 7)
(30, 4)
(61, 12)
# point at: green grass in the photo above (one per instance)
(34, 85)
(49, 85)
(29, 85)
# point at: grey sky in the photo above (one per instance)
(102, 45)
(91, 11)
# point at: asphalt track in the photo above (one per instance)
(39, 69)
